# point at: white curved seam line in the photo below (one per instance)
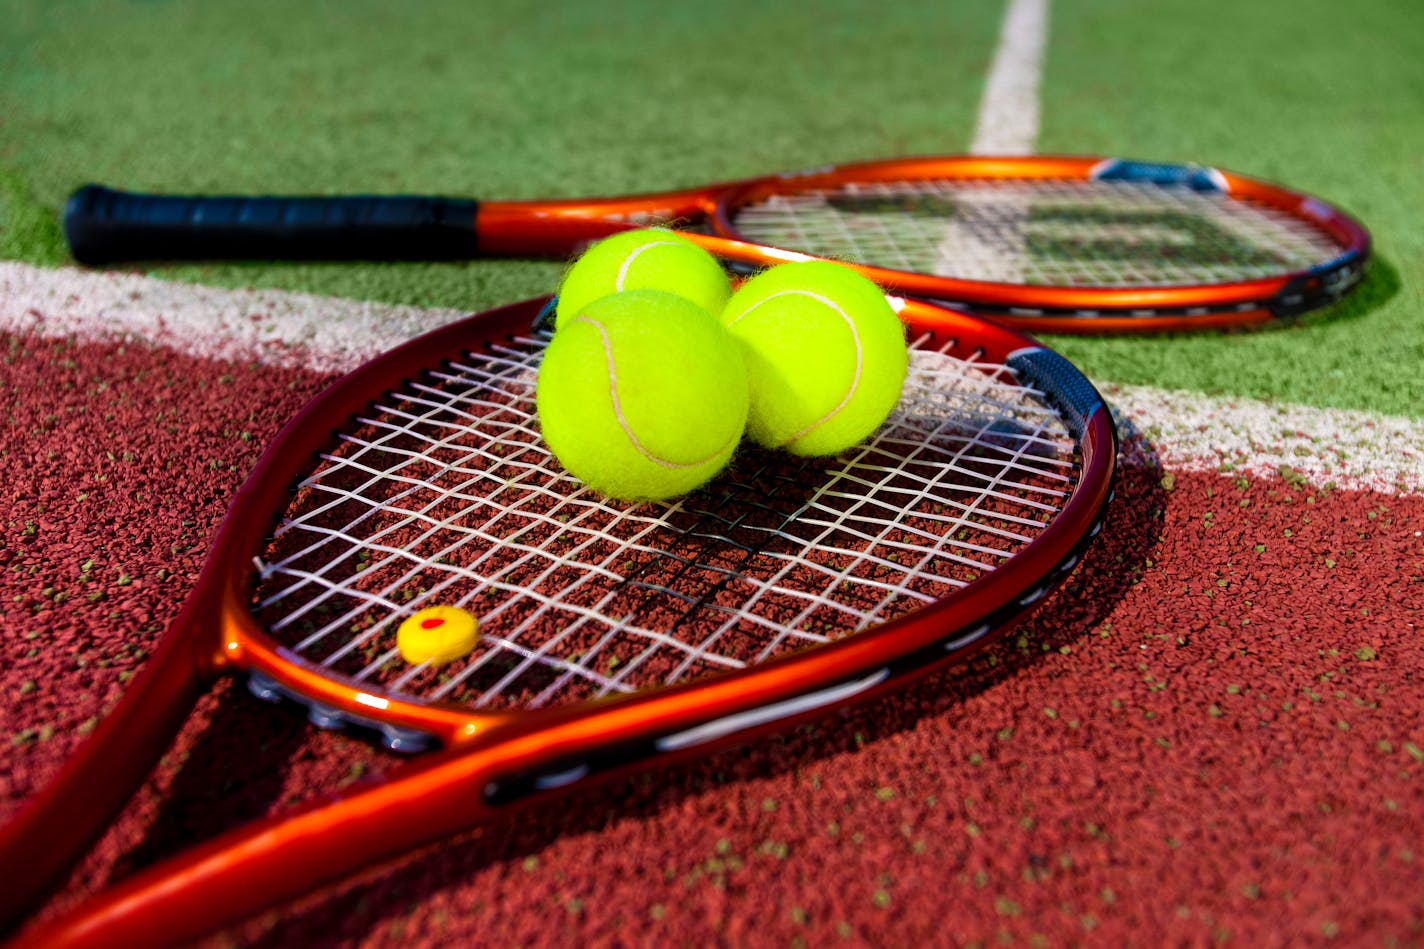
(859, 356)
(628, 261)
(618, 406)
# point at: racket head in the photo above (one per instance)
(1069, 244)
(870, 568)
(1034, 419)
(1058, 244)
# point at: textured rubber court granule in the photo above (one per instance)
(117, 460)
(1138, 767)
(1166, 774)
(1211, 732)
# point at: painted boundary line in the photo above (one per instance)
(1008, 111)
(1187, 432)
(1350, 449)
(274, 327)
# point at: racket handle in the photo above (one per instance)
(106, 226)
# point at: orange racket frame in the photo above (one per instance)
(491, 761)
(104, 225)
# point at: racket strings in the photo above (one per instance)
(872, 536)
(444, 493)
(1042, 232)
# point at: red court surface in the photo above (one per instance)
(1210, 734)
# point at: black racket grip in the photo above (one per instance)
(106, 226)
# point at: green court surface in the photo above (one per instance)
(1292, 92)
(527, 100)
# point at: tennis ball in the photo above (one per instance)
(649, 259)
(642, 395)
(437, 634)
(825, 354)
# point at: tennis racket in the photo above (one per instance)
(613, 635)
(1078, 245)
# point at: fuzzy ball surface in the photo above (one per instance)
(642, 395)
(825, 353)
(648, 259)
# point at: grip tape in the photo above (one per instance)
(106, 226)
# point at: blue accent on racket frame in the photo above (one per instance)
(1195, 177)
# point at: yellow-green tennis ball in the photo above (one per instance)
(649, 259)
(825, 354)
(642, 395)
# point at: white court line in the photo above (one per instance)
(1238, 436)
(1187, 431)
(1008, 112)
(276, 328)
(1007, 125)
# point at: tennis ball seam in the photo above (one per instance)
(855, 339)
(633, 440)
(633, 255)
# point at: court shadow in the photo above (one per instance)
(1109, 569)
(235, 769)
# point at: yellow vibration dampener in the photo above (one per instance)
(437, 634)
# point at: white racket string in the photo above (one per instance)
(1042, 232)
(443, 493)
